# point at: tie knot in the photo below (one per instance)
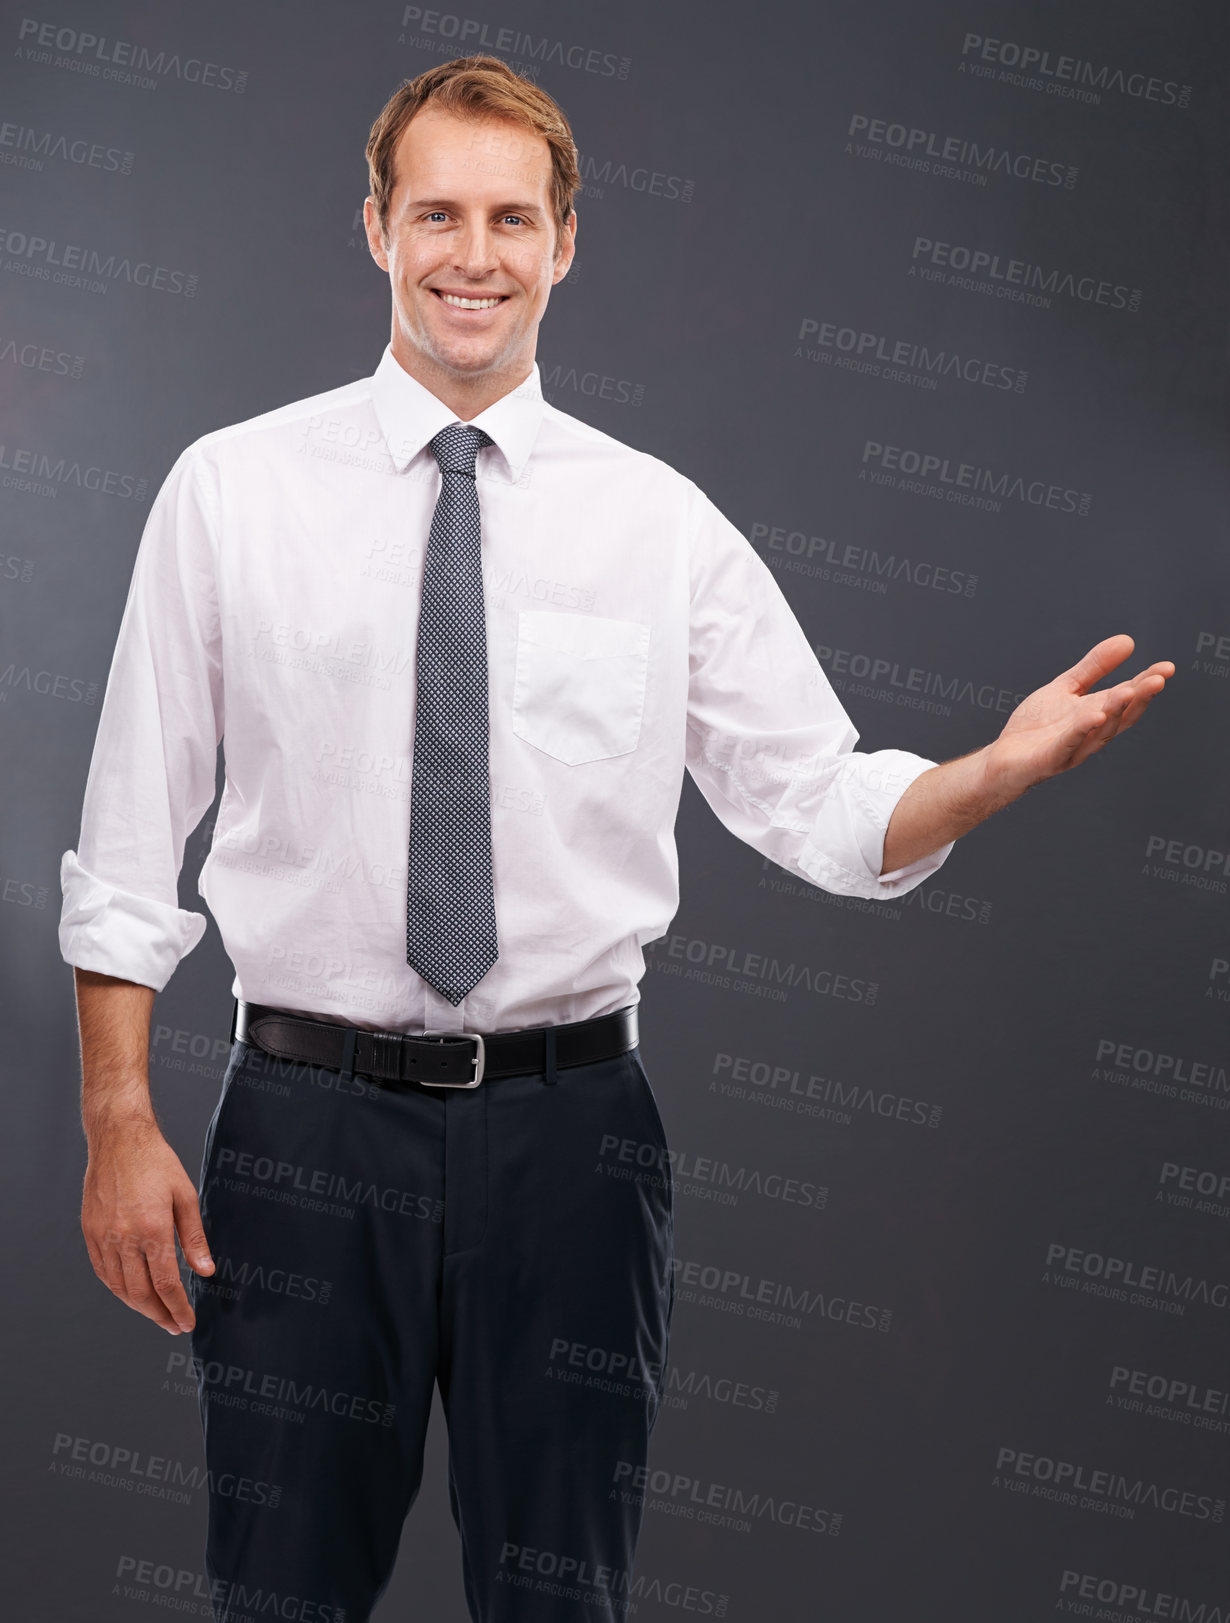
(457, 446)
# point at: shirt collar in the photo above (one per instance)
(410, 416)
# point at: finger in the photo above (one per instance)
(1097, 725)
(1148, 682)
(1102, 658)
(1102, 731)
(1074, 737)
(95, 1254)
(1137, 707)
(108, 1266)
(163, 1265)
(187, 1216)
(191, 1230)
(1113, 708)
(1139, 691)
(139, 1291)
(1119, 708)
(1131, 714)
(1091, 742)
(1151, 681)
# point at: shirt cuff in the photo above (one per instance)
(117, 932)
(849, 862)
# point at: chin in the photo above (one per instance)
(464, 367)
(467, 360)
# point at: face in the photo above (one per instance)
(471, 249)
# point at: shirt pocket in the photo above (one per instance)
(579, 684)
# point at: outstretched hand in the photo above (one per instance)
(1060, 725)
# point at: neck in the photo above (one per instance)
(466, 397)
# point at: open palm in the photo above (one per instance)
(1060, 725)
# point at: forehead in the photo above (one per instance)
(477, 157)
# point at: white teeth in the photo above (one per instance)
(469, 304)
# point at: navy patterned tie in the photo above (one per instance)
(450, 906)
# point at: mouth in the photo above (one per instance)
(470, 302)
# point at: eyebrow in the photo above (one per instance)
(449, 202)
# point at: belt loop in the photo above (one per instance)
(234, 1018)
(548, 1043)
(348, 1042)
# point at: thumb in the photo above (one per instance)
(1104, 656)
(191, 1231)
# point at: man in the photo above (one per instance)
(445, 837)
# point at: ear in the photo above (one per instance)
(375, 241)
(567, 248)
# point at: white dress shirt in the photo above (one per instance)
(632, 631)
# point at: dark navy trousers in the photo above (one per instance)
(512, 1243)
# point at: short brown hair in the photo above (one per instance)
(474, 87)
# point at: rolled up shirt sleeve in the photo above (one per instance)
(769, 744)
(151, 775)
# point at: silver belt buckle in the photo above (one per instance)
(480, 1058)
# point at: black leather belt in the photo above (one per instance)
(435, 1059)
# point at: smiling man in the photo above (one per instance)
(463, 648)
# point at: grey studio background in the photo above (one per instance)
(827, 256)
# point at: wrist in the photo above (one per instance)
(1001, 784)
(124, 1115)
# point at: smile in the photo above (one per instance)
(457, 302)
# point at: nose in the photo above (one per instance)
(474, 251)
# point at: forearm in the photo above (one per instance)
(940, 805)
(113, 1018)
